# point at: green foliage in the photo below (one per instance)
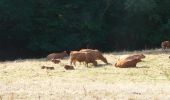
(53, 25)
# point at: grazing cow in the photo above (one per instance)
(96, 53)
(60, 55)
(86, 57)
(56, 61)
(69, 67)
(165, 45)
(47, 67)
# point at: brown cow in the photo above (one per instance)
(165, 45)
(72, 52)
(69, 67)
(129, 61)
(96, 53)
(137, 56)
(86, 57)
(60, 55)
(126, 63)
(72, 55)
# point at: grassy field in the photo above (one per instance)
(25, 80)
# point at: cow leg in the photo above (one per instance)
(74, 62)
(86, 64)
(71, 61)
(95, 63)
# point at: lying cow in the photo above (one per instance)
(136, 56)
(129, 61)
(60, 55)
(126, 63)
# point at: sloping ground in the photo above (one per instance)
(25, 80)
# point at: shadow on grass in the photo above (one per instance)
(132, 67)
(142, 67)
(102, 65)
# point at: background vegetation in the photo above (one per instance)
(55, 25)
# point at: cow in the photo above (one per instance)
(96, 53)
(165, 45)
(60, 55)
(126, 63)
(72, 52)
(137, 56)
(86, 57)
(129, 61)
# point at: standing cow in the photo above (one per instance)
(86, 57)
(165, 45)
(96, 54)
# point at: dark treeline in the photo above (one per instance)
(29, 27)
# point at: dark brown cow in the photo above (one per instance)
(165, 45)
(60, 55)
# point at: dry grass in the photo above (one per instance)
(25, 80)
